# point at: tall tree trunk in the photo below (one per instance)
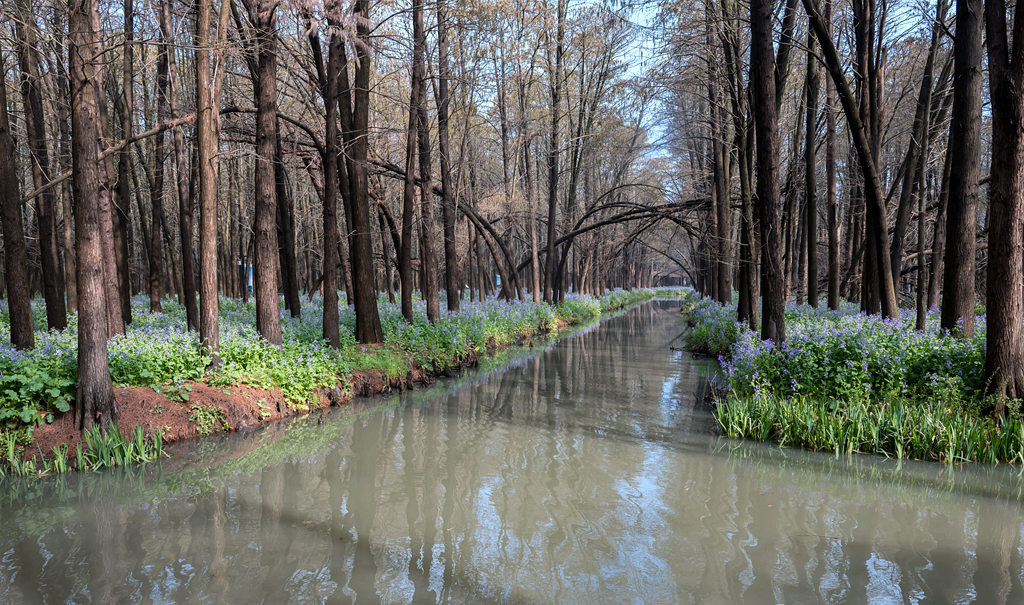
(94, 392)
(1004, 347)
(939, 237)
(531, 195)
(63, 110)
(762, 82)
(368, 328)
(409, 202)
(743, 144)
(182, 178)
(965, 147)
(922, 265)
(122, 213)
(268, 315)
(719, 175)
(553, 147)
(920, 133)
(451, 261)
(834, 257)
(386, 254)
(107, 193)
(428, 263)
(156, 197)
(286, 234)
(15, 262)
(206, 136)
(331, 329)
(35, 127)
(875, 214)
(811, 174)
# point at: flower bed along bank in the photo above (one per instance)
(158, 355)
(849, 382)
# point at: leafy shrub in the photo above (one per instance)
(844, 355)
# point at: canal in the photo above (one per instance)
(582, 470)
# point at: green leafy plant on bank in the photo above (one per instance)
(896, 428)
(853, 383)
(104, 447)
(159, 352)
(208, 418)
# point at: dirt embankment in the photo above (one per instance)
(239, 406)
(243, 406)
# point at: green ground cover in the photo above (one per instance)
(157, 351)
(848, 382)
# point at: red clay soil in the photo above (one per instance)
(243, 406)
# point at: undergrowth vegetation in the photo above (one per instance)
(159, 352)
(848, 382)
(104, 447)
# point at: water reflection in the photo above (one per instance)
(585, 472)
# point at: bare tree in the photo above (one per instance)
(965, 149)
(1004, 348)
(94, 395)
(206, 138)
(15, 263)
(762, 82)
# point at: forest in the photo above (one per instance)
(185, 154)
(196, 167)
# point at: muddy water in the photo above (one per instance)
(585, 472)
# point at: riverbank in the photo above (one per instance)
(848, 382)
(162, 386)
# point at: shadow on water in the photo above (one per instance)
(583, 469)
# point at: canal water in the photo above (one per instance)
(581, 471)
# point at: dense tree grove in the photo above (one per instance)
(204, 148)
(920, 161)
(200, 148)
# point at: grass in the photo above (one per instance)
(897, 428)
(104, 447)
(851, 383)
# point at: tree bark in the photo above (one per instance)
(331, 329)
(811, 174)
(1004, 347)
(834, 257)
(182, 178)
(920, 133)
(939, 237)
(15, 262)
(965, 148)
(268, 315)
(409, 202)
(428, 263)
(206, 136)
(553, 147)
(94, 393)
(368, 328)
(286, 233)
(121, 211)
(876, 223)
(35, 127)
(451, 261)
(107, 191)
(156, 197)
(762, 81)
(719, 174)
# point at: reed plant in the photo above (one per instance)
(896, 428)
(104, 447)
